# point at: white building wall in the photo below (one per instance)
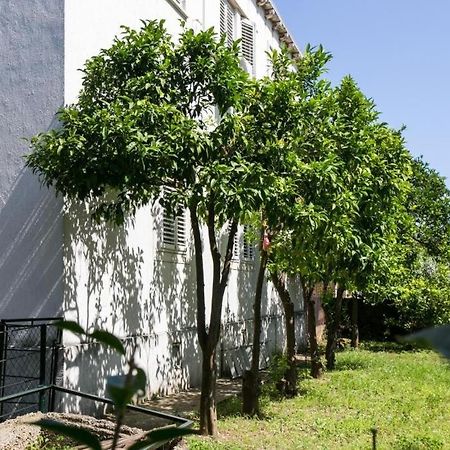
(31, 224)
(122, 279)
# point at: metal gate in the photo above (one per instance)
(28, 359)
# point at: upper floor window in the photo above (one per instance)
(248, 250)
(174, 231)
(243, 247)
(174, 226)
(234, 26)
(248, 43)
(227, 21)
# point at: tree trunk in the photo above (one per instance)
(333, 329)
(316, 364)
(209, 338)
(354, 321)
(208, 411)
(251, 382)
(290, 385)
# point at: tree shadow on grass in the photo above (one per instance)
(343, 364)
(388, 346)
(230, 407)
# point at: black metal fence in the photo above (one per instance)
(28, 359)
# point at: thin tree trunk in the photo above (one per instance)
(333, 329)
(208, 410)
(251, 383)
(316, 364)
(279, 282)
(208, 339)
(354, 321)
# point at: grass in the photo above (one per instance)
(404, 394)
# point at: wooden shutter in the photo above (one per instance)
(235, 242)
(248, 249)
(223, 17)
(227, 21)
(181, 231)
(169, 233)
(248, 41)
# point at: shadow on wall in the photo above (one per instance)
(31, 255)
(116, 280)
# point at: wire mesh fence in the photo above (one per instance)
(28, 359)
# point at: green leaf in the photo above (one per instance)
(122, 392)
(107, 338)
(75, 433)
(70, 325)
(161, 435)
(438, 338)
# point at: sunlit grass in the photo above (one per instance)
(405, 395)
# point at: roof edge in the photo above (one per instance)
(272, 15)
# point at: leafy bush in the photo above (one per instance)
(278, 366)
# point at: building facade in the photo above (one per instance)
(137, 281)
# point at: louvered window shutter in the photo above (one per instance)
(248, 249)
(248, 41)
(235, 242)
(227, 21)
(169, 228)
(223, 17)
(181, 229)
(174, 229)
(236, 245)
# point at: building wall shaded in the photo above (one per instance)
(31, 91)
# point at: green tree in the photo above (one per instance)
(417, 285)
(349, 203)
(274, 122)
(151, 115)
(375, 170)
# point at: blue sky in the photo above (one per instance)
(399, 53)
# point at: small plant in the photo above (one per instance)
(121, 389)
(50, 441)
(274, 387)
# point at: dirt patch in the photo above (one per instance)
(186, 403)
(20, 433)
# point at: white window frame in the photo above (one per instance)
(179, 6)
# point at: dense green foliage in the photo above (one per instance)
(404, 394)
(416, 286)
(184, 124)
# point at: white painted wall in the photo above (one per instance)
(123, 280)
(31, 225)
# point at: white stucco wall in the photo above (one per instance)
(31, 225)
(121, 279)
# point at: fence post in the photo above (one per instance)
(2, 362)
(54, 369)
(42, 363)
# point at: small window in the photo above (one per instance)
(248, 42)
(248, 251)
(235, 241)
(174, 230)
(227, 21)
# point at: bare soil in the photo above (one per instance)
(20, 433)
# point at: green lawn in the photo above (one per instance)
(404, 394)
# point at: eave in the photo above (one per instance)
(273, 16)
